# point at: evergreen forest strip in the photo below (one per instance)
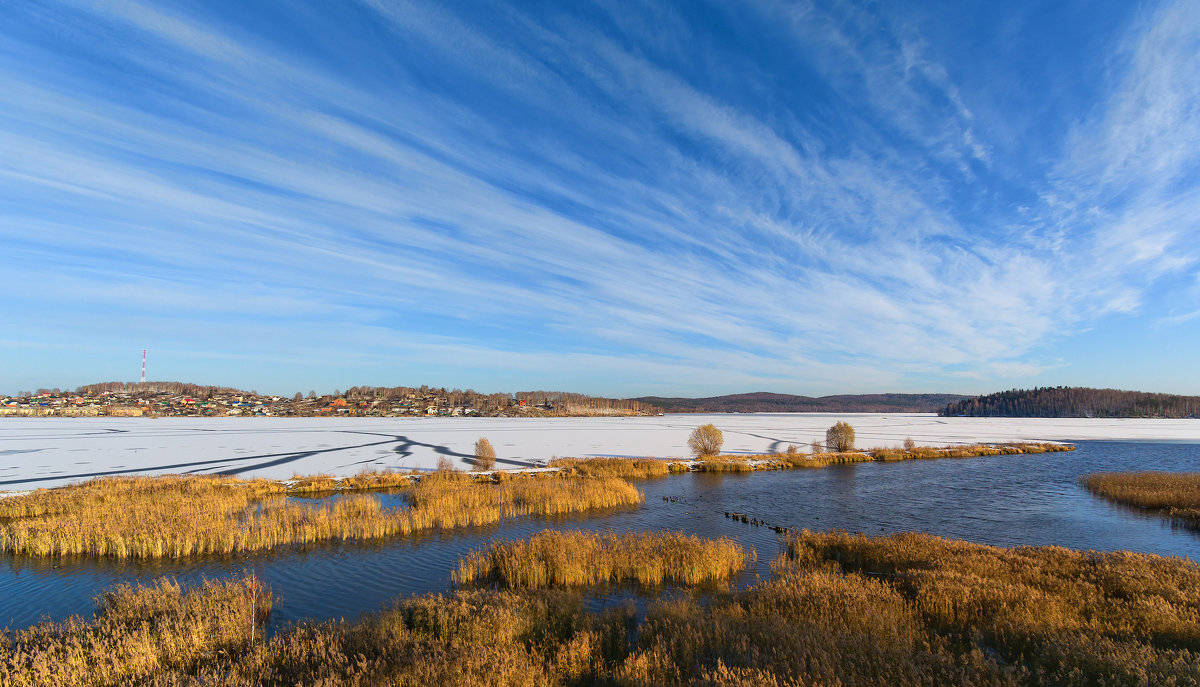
(1076, 402)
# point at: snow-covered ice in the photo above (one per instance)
(47, 452)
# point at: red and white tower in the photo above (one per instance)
(143, 366)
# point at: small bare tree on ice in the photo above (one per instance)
(705, 441)
(485, 455)
(840, 437)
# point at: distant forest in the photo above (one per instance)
(763, 402)
(179, 388)
(1075, 402)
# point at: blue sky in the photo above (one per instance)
(618, 198)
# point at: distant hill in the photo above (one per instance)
(764, 402)
(1075, 402)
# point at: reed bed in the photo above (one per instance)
(971, 451)
(176, 516)
(625, 468)
(1058, 615)
(1175, 494)
(311, 484)
(568, 559)
(114, 492)
(725, 464)
(138, 633)
(820, 460)
(455, 500)
(903, 610)
(363, 481)
(795, 459)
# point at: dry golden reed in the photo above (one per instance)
(1175, 494)
(796, 459)
(904, 610)
(138, 633)
(625, 468)
(1081, 617)
(885, 454)
(174, 516)
(566, 559)
(970, 451)
(726, 464)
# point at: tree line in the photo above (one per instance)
(764, 402)
(176, 388)
(1064, 401)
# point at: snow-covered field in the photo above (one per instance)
(46, 452)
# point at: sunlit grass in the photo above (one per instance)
(887, 454)
(175, 516)
(1050, 599)
(1176, 494)
(138, 633)
(551, 559)
(848, 610)
(970, 451)
(625, 468)
(725, 464)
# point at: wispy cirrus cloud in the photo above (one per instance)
(573, 186)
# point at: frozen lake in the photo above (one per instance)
(47, 452)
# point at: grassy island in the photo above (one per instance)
(173, 516)
(564, 559)
(1173, 494)
(798, 459)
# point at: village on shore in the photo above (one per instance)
(217, 402)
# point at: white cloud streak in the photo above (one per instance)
(653, 228)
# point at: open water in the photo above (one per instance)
(1001, 500)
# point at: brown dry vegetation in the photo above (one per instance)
(796, 459)
(624, 468)
(726, 464)
(843, 610)
(1175, 494)
(550, 559)
(1048, 615)
(137, 633)
(971, 451)
(173, 516)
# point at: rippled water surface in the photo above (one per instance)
(1003, 500)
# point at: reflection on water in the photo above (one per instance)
(1003, 500)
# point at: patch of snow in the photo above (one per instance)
(56, 451)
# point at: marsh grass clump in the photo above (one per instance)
(369, 481)
(455, 500)
(889, 454)
(138, 633)
(625, 468)
(113, 492)
(176, 516)
(312, 484)
(1174, 494)
(1058, 615)
(570, 559)
(726, 464)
